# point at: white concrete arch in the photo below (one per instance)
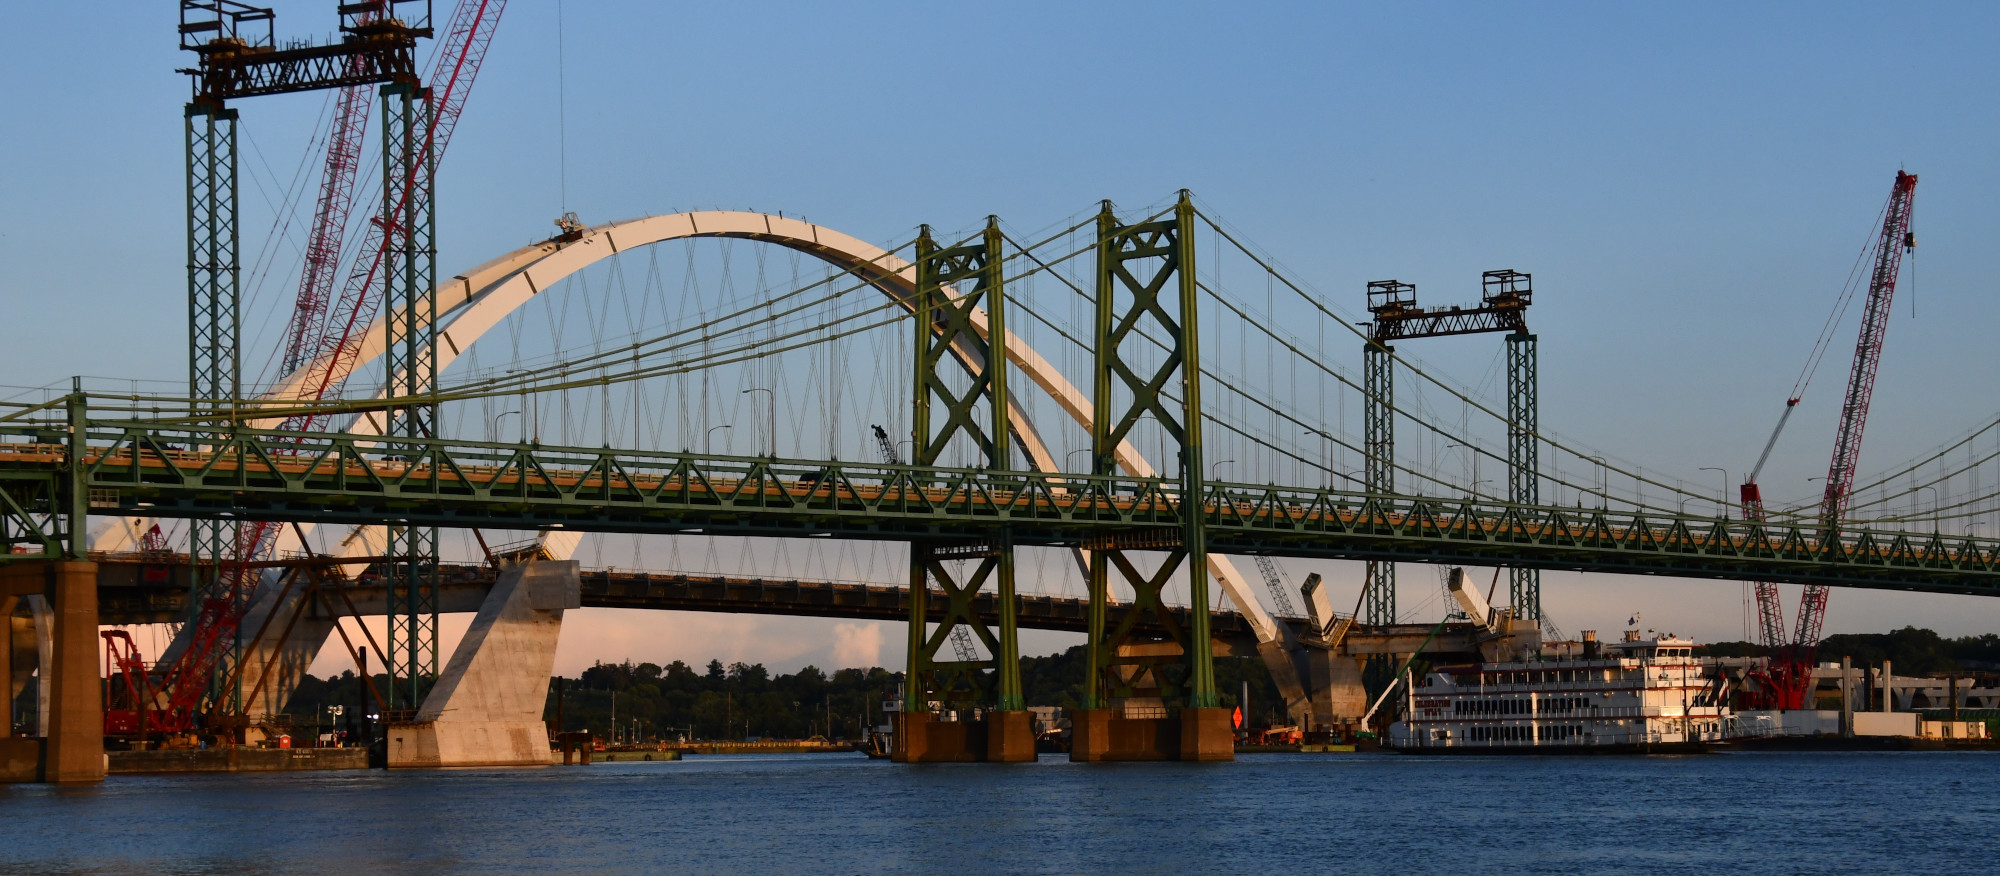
(474, 302)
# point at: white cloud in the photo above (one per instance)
(857, 644)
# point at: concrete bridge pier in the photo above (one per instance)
(486, 709)
(293, 631)
(70, 749)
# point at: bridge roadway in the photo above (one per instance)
(142, 469)
(140, 588)
(137, 588)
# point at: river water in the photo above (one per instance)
(1742, 812)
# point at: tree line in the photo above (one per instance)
(647, 701)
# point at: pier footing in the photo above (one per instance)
(1001, 737)
(1101, 735)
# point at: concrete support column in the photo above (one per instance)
(71, 750)
(44, 621)
(486, 709)
(1888, 685)
(1846, 696)
(19, 643)
(7, 603)
(294, 632)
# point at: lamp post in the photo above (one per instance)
(1934, 506)
(708, 440)
(1722, 498)
(1212, 468)
(496, 426)
(1330, 444)
(531, 404)
(1072, 455)
(772, 397)
(1604, 483)
(1474, 453)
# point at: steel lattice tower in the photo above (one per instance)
(1503, 306)
(215, 376)
(1524, 586)
(409, 281)
(239, 57)
(944, 317)
(1146, 278)
(1379, 438)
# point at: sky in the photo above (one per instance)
(1689, 184)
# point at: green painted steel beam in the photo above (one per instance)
(141, 469)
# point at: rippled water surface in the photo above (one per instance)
(1763, 813)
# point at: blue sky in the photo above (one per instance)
(1688, 182)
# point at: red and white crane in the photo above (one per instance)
(1789, 678)
(330, 346)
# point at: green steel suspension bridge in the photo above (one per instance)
(213, 460)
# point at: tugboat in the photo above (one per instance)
(1638, 695)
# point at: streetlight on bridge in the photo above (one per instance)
(1722, 498)
(496, 426)
(773, 398)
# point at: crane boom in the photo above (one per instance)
(1788, 680)
(462, 50)
(1770, 606)
(1896, 239)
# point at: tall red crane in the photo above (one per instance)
(331, 349)
(1790, 674)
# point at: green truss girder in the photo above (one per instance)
(1146, 282)
(32, 521)
(953, 285)
(138, 468)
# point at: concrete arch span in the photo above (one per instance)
(472, 303)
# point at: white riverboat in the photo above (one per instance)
(1641, 694)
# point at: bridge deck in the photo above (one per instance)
(143, 469)
(137, 589)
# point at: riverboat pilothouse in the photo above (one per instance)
(1641, 694)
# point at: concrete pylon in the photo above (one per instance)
(44, 619)
(70, 747)
(294, 632)
(486, 709)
